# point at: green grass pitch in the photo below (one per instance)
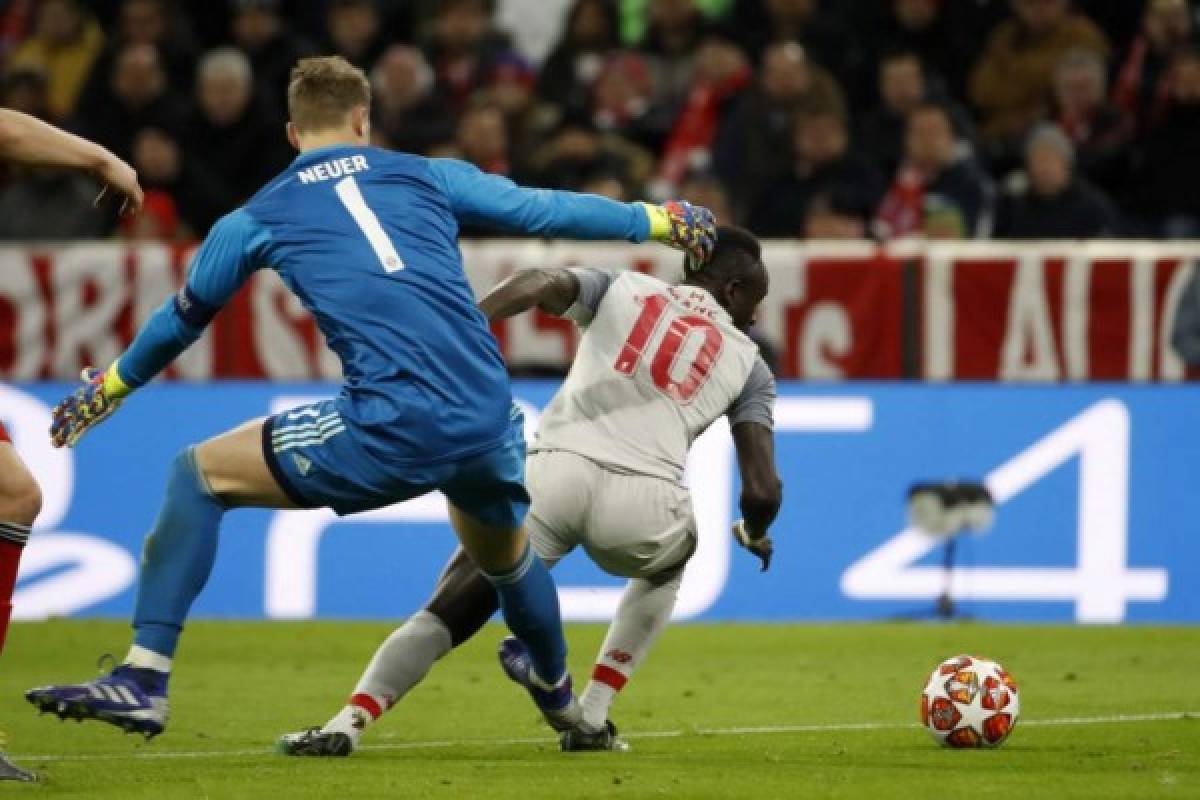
(753, 711)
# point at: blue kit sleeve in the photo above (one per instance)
(480, 198)
(230, 253)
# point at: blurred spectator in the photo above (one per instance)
(196, 197)
(754, 141)
(973, 23)
(463, 48)
(1098, 130)
(836, 215)
(26, 89)
(408, 113)
(1143, 77)
(233, 135)
(705, 190)
(674, 33)
(158, 24)
(903, 86)
(760, 23)
(577, 153)
(686, 102)
(939, 190)
(721, 75)
(482, 139)
(1011, 83)
(1048, 201)
(354, 28)
(536, 26)
(822, 162)
(510, 87)
(1119, 19)
(37, 203)
(138, 97)
(591, 33)
(261, 33)
(606, 185)
(623, 102)
(65, 45)
(1168, 168)
(923, 28)
(16, 21)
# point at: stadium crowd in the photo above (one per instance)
(796, 118)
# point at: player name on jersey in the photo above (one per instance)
(334, 168)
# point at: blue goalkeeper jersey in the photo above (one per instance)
(367, 240)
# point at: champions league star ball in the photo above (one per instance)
(970, 702)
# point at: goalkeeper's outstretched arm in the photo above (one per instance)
(232, 251)
(28, 140)
(480, 198)
(228, 256)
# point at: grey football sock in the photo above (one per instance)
(405, 657)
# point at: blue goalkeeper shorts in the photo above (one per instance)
(317, 461)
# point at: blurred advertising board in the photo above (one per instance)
(1044, 312)
(1098, 518)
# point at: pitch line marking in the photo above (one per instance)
(847, 727)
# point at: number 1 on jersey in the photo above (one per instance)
(663, 364)
(351, 197)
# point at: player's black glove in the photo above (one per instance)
(761, 546)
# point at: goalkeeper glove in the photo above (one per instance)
(761, 546)
(93, 402)
(685, 227)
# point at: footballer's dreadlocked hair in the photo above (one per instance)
(736, 256)
(322, 91)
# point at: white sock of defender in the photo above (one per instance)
(142, 658)
(644, 610)
(399, 664)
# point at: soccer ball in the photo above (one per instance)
(970, 702)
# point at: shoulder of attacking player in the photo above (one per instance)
(755, 403)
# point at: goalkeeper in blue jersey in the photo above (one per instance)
(367, 239)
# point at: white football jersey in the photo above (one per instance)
(656, 366)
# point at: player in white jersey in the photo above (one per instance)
(656, 366)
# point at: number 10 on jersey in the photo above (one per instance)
(663, 365)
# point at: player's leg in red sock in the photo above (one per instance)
(20, 502)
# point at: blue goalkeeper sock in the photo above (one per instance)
(177, 557)
(529, 602)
